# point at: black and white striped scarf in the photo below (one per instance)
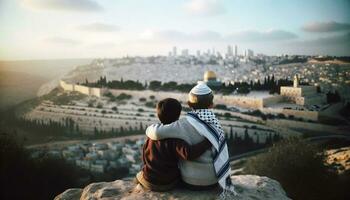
(206, 123)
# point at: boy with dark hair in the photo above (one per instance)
(160, 171)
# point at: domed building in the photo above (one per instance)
(210, 79)
(209, 75)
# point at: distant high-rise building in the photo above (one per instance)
(174, 51)
(236, 51)
(198, 53)
(184, 52)
(229, 51)
(248, 53)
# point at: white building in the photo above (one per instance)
(229, 51)
(198, 53)
(174, 51)
(236, 51)
(248, 53)
(184, 52)
(303, 95)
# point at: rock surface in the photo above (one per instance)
(339, 159)
(248, 187)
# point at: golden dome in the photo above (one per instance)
(209, 75)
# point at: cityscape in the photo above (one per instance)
(186, 99)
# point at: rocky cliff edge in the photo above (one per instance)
(248, 187)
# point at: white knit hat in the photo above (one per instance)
(200, 89)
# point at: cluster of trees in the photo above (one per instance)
(295, 59)
(44, 128)
(136, 85)
(120, 97)
(67, 128)
(170, 86)
(115, 84)
(269, 83)
(238, 145)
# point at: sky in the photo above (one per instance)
(53, 29)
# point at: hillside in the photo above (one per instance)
(16, 87)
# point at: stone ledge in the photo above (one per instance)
(248, 187)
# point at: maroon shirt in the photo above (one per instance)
(160, 158)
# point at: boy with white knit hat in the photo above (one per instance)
(213, 166)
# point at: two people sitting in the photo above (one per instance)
(190, 151)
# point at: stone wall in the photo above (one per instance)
(241, 101)
(308, 90)
(66, 86)
(95, 92)
(291, 92)
(230, 100)
(272, 100)
(80, 88)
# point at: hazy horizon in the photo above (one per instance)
(61, 29)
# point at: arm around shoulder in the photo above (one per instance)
(186, 151)
(160, 131)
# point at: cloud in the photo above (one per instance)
(104, 45)
(173, 35)
(212, 36)
(323, 27)
(204, 7)
(331, 45)
(257, 36)
(62, 40)
(64, 5)
(343, 39)
(99, 27)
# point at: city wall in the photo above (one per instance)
(82, 89)
(240, 101)
(272, 100)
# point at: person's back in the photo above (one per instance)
(160, 163)
(161, 160)
(200, 122)
(160, 157)
(198, 172)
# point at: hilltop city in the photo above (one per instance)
(259, 99)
